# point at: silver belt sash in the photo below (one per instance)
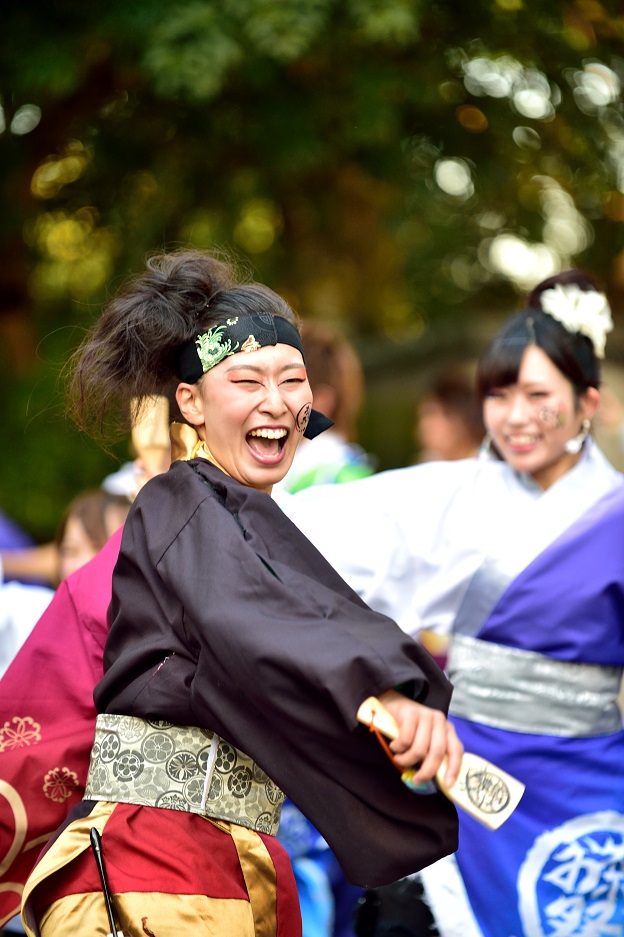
(523, 691)
(158, 764)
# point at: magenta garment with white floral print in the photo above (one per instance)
(47, 718)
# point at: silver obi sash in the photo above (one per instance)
(157, 764)
(523, 691)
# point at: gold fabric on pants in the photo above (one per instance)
(158, 914)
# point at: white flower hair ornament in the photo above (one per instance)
(585, 311)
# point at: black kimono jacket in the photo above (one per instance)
(225, 616)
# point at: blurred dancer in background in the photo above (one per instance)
(449, 421)
(337, 383)
(88, 522)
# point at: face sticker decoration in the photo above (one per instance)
(551, 418)
(303, 417)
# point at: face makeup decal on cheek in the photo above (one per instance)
(551, 418)
(303, 417)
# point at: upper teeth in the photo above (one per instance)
(521, 440)
(269, 433)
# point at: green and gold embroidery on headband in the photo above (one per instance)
(213, 348)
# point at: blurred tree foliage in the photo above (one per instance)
(404, 168)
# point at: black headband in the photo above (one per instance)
(238, 333)
(244, 333)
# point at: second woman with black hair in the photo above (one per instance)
(519, 556)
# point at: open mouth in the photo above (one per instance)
(522, 442)
(267, 444)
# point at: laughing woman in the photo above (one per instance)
(237, 658)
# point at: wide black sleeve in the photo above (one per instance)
(275, 654)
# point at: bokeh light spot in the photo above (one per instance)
(66, 240)
(451, 92)
(594, 87)
(55, 172)
(471, 118)
(453, 176)
(25, 119)
(259, 225)
(533, 102)
(77, 256)
(526, 138)
(521, 262)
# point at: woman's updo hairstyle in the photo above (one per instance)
(571, 352)
(131, 353)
